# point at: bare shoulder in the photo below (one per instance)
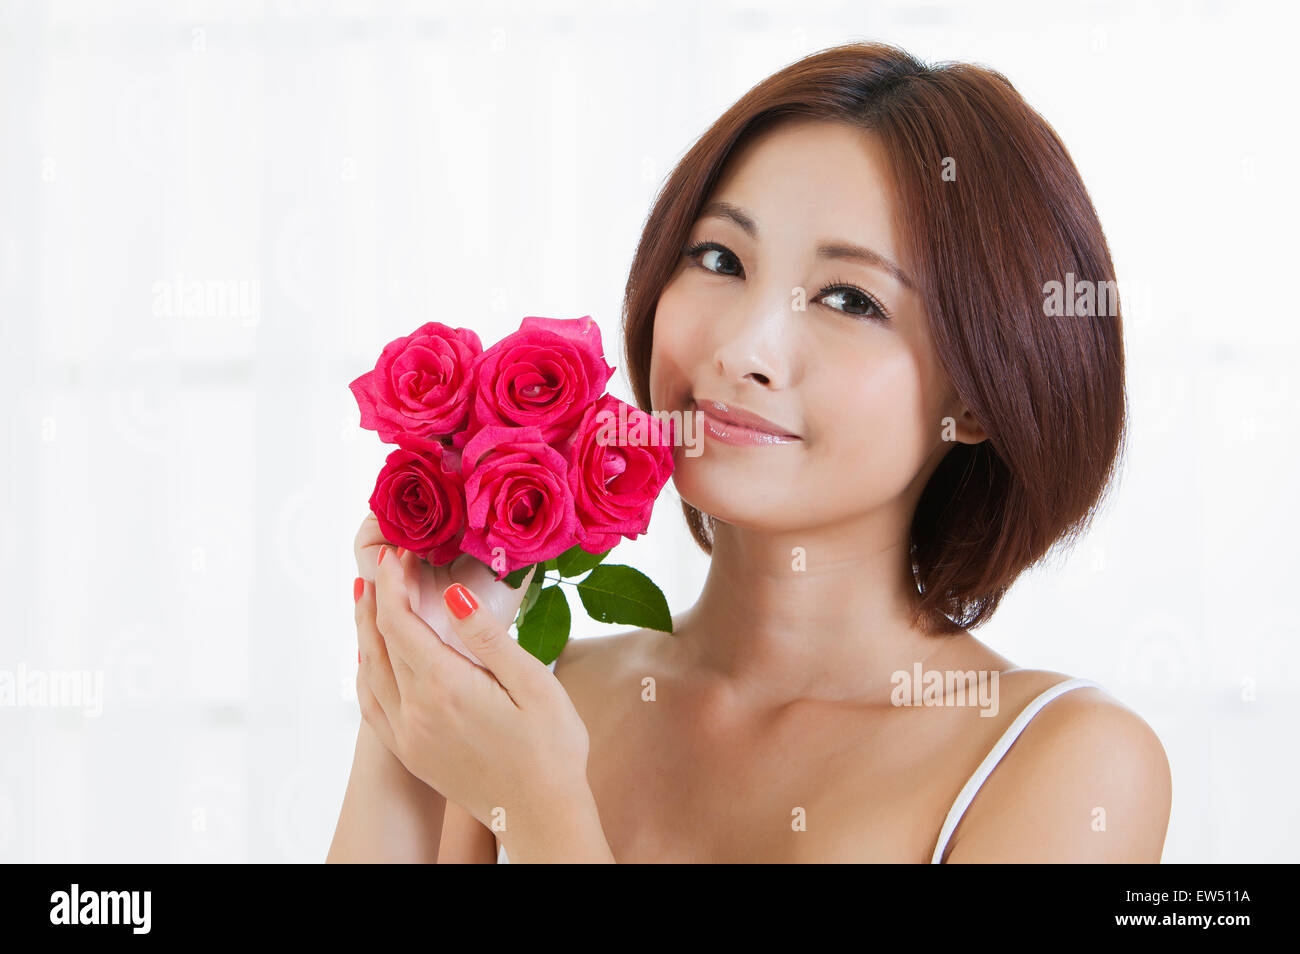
(1087, 780)
(598, 662)
(598, 652)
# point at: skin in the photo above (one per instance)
(499, 739)
(772, 697)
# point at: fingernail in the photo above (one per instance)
(358, 587)
(358, 655)
(459, 601)
(382, 551)
(400, 551)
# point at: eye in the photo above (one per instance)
(851, 300)
(839, 295)
(714, 257)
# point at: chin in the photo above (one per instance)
(735, 493)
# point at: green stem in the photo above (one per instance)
(558, 579)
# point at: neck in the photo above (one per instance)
(820, 613)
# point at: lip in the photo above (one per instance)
(734, 425)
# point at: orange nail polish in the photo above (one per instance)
(380, 558)
(358, 587)
(459, 601)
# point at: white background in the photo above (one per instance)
(180, 489)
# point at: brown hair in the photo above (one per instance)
(1048, 391)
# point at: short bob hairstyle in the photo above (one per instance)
(991, 212)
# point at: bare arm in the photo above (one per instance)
(388, 815)
(464, 839)
(1087, 782)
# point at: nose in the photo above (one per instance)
(755, 348)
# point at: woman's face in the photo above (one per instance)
(771, 314)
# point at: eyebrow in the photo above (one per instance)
(830, 249)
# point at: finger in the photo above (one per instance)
(366, 546)
(484, 635)
(401, 668)
(502, 601)
(411, 570)
(407, 637)
(481, 580)
(373, 714)
(375, 668)
(369, 540)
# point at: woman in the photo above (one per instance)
(854, 278)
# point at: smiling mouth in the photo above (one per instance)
(722, 425)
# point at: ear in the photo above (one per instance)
(960, 425)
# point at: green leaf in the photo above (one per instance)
(620, 594)
(576, 561)
(549, 565)
(545, 628)
(517, 577)
(530, 598)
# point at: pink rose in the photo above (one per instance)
(544, 375)
(518, 505)
(619, 459)
(419, 500)
(423, 384)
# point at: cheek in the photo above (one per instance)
(669, 352)
(881, 431)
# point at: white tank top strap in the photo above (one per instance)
(973, 784)
(501, 849)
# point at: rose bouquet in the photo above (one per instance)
(516, 456)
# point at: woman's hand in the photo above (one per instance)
(388, 815)
(502, 739)
(427, 583)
